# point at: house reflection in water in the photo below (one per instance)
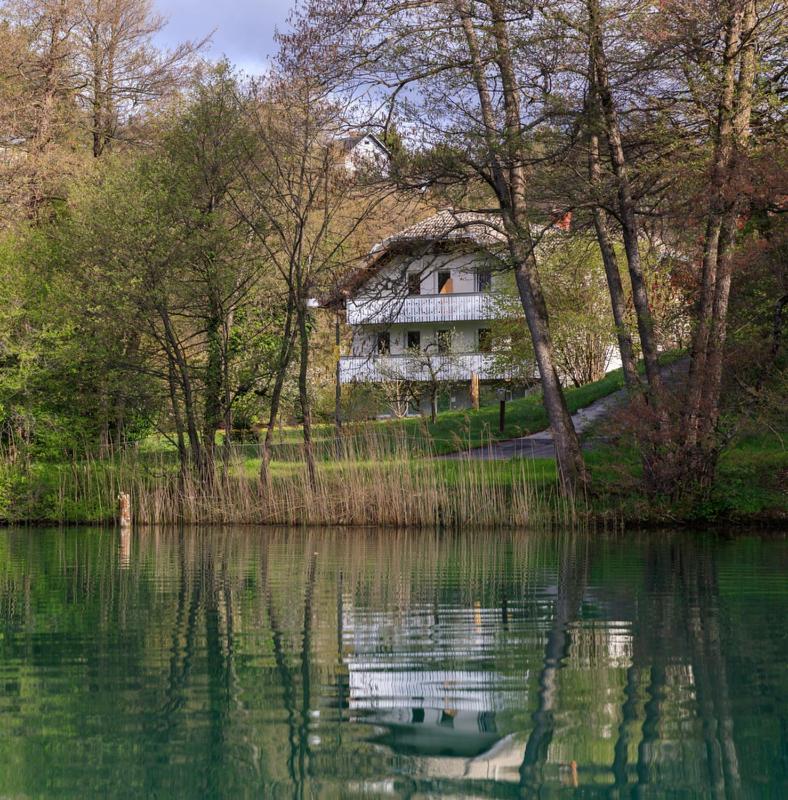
(422, 707)
(439, 687)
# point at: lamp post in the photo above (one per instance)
(502, 409)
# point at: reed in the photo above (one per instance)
(364, 478)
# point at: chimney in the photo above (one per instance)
(563, 221)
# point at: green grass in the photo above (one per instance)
(750, 488)
(751, 485)
(453, 430)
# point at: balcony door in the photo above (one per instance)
(445, 283)
(383, 343)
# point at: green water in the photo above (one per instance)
(379, 664)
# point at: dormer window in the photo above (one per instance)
(414, 284)
(445, 283)
(483, 280)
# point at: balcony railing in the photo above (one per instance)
(424, 308)
(453, 367)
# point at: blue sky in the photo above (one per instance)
(244, 29)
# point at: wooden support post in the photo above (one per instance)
(475, 391)
(124, 501)
(502, 416)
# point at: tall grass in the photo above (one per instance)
(366, 477)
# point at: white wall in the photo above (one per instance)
(464, 337)
(392, 280)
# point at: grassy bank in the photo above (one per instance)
(453, 431)
(395, 490)
(386, 473)
(385, 485)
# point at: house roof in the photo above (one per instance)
(480, 231)
(349, 143)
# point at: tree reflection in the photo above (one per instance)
(210, 663)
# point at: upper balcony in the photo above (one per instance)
(475, 306)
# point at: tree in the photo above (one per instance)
(69, 67)
(307, 212)
(731, 140)
(166, 238)
(431, 54)
(601, 88)
(121, 71)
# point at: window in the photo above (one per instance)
(483, 280)
(414, 340)
(443, 340)
(414, 283)
(485, 340)
(444, 283)
(384, 343)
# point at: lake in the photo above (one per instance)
(274, 663)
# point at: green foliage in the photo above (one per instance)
(573, 281)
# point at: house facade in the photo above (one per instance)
(365, 151)
(422, 307)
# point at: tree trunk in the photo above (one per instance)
(212, 415)
(569, 456)
(303, 392)
(612, 272)
(727, 242)
(283, 364)
(627, 210)
(337, 377)
(183, 453)
(510, 185)
(227, 401)
(182, 370)
(720, 175)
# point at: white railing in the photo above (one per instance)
(454, 367)
(424, 308)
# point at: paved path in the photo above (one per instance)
(540, 445)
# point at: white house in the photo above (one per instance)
(421, 308)
(365, 151)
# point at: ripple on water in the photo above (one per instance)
(214, 663)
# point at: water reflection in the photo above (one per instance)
(212, 663)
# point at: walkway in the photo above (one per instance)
(540, 445)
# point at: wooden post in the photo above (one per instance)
(502, 416)
(475, 391)
(124, 501)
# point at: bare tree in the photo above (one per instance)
(732, 135)
(307, 212)
(121, 70)
(453, 65)
(627, 205)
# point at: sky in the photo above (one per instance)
(243, 29)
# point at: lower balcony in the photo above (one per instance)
(451, 367)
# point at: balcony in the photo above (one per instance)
(453, 367)
(424, 308)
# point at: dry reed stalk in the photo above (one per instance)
(370, 479)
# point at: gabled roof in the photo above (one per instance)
(476, 230)
(482, 230)
(349, 143)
